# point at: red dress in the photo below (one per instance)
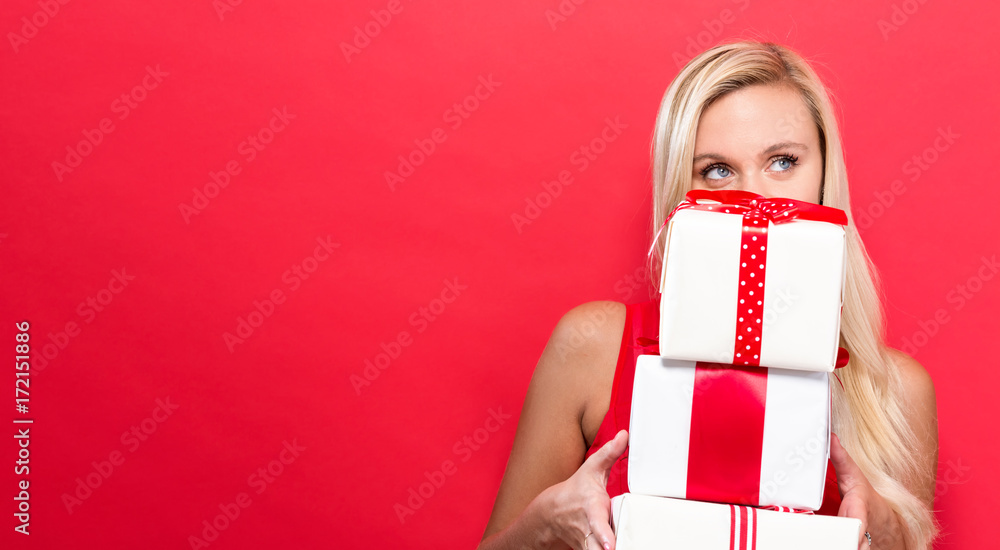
(643, 320)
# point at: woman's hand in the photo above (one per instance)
(580, 506)
(860, 500)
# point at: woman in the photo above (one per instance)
(750, 116)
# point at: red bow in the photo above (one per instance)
(777, 210)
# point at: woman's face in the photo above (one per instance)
(759, 139)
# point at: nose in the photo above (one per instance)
(754, 183)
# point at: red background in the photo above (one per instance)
(323, 175)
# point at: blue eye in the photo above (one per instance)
(786, 162)
(723, 172)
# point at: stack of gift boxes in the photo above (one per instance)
(730, 423)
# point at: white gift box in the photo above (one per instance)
(645, 522)
(744, 435)
(787, 284)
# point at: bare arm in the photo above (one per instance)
(549, 495)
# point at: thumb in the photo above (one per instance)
(602, 461)
(849, 475)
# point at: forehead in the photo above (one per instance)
(744, 122)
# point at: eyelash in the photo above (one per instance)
(791, 158)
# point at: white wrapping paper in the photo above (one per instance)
(646, 523)
(800, 301)
(795, 437)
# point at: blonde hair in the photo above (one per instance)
(867, 411)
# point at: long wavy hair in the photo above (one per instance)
(867, 411)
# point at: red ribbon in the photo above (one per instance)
(842, 359)
(777, 210)
(787, 510)
(744, 538)
(727, 433)
(749, 308)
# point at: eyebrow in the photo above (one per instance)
(774, 148)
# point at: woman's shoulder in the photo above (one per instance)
(591, 320)
(920, 406)
(583, 354)
(589, 331)
(916, 381)
(583, 347)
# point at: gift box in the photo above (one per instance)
(643, 522)
(724, 433)
(753, 281)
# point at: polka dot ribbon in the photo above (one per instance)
(758, 212)
(753, 248)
